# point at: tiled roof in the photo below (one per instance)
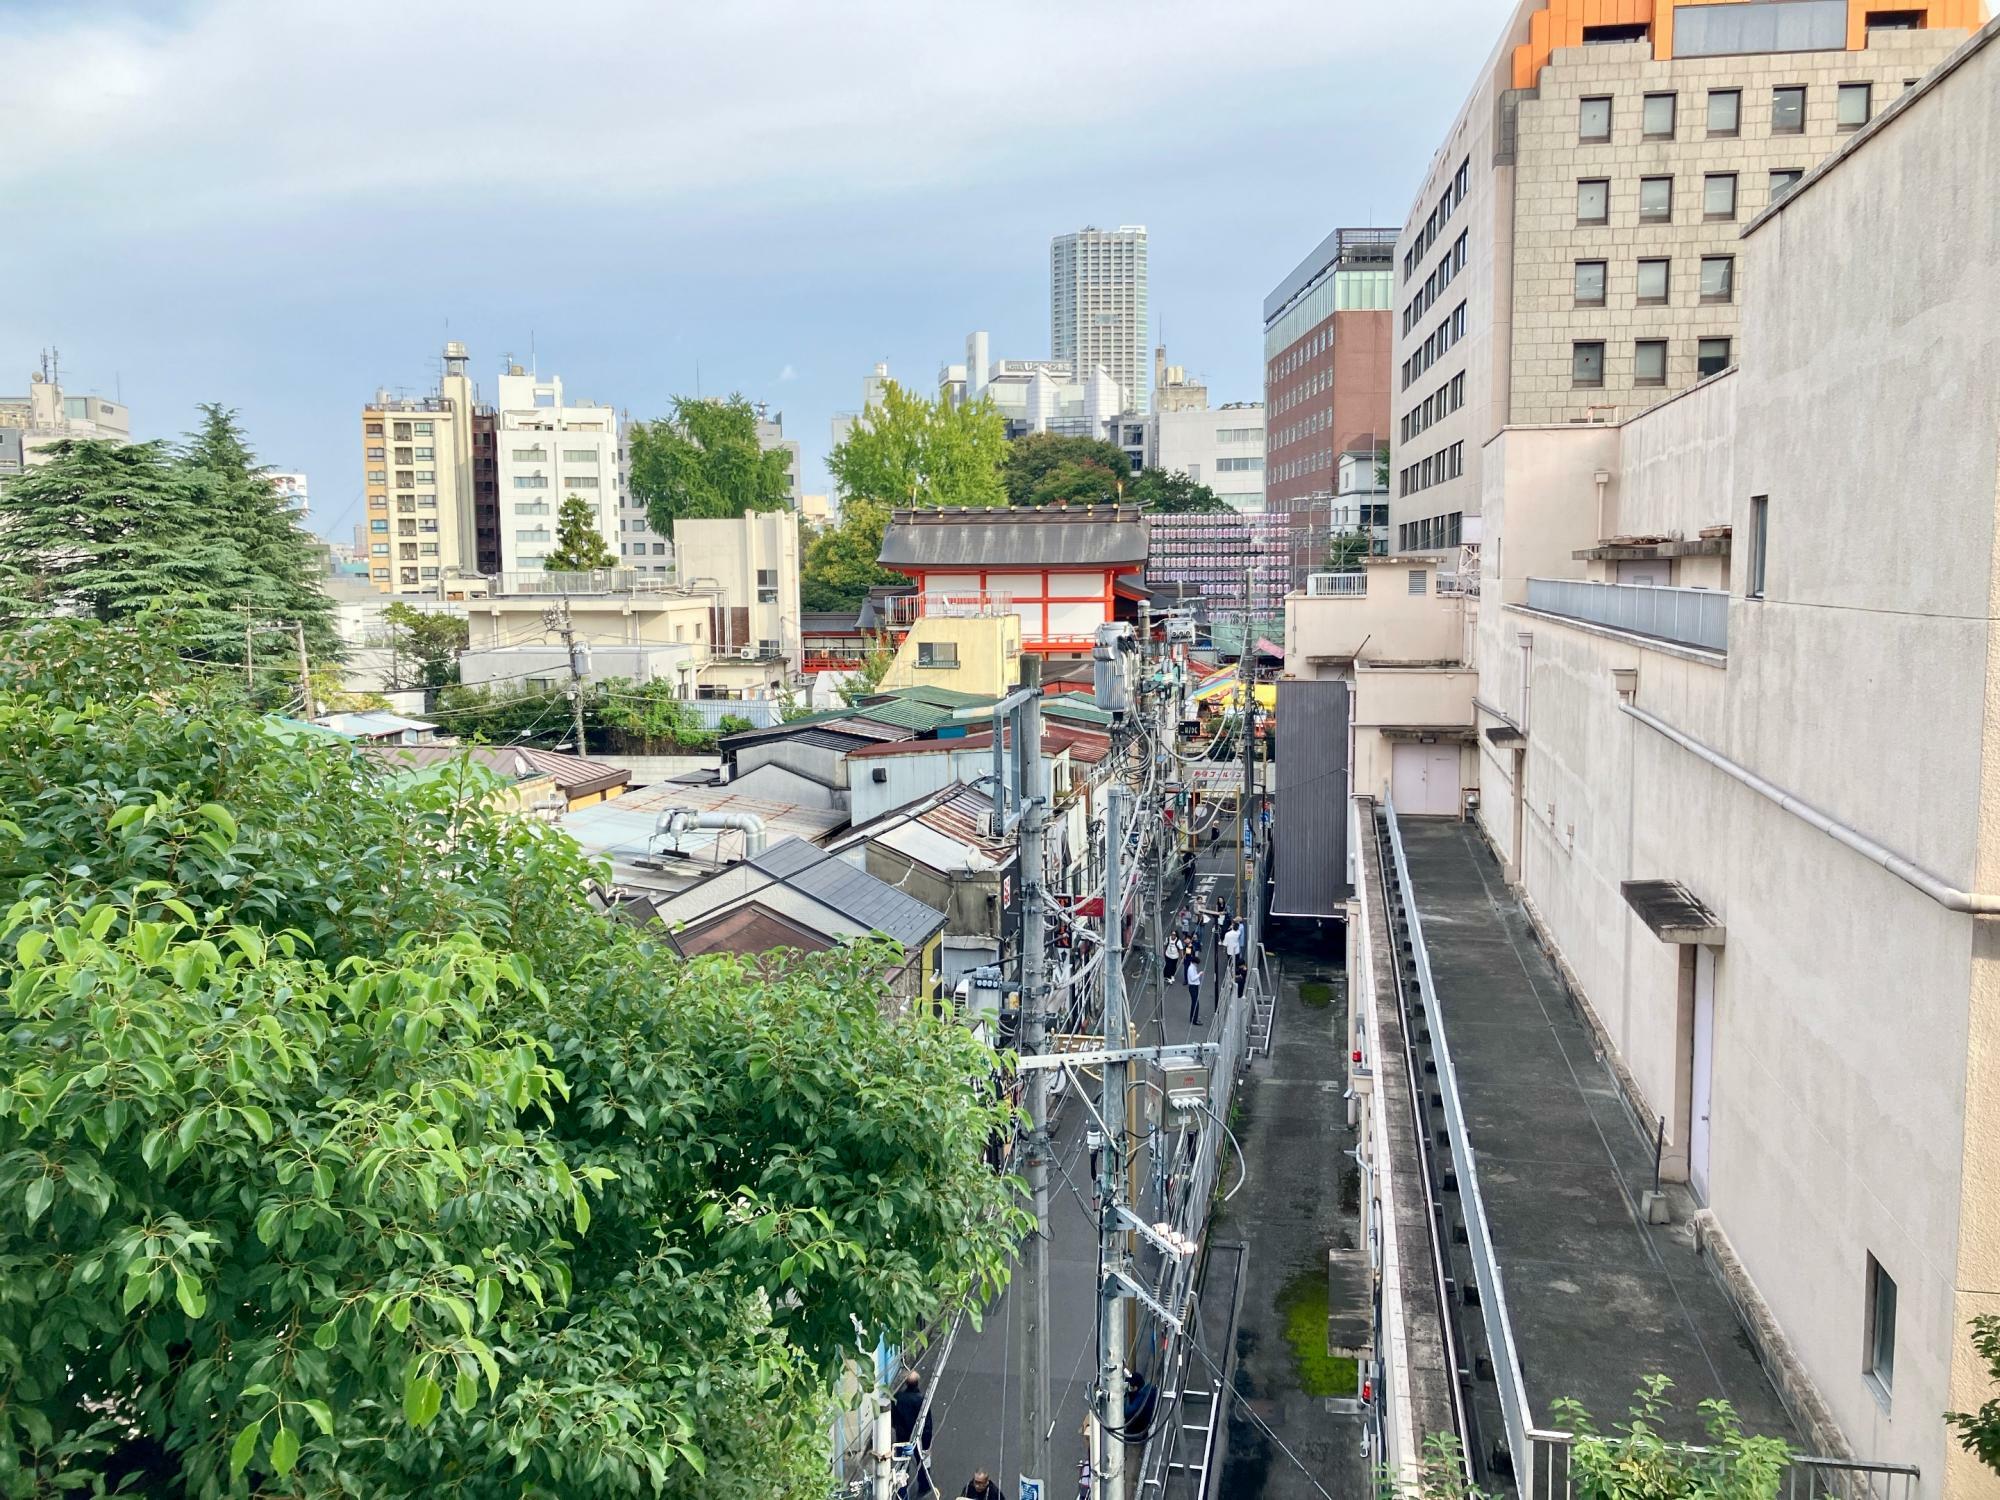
(850, 890)
(829, 621)
(904, 714)
(1085, 536)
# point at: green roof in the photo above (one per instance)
(902, 714)
(939, 697)
(1075, 707)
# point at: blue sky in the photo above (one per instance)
(282, 207)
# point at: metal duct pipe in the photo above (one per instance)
(1950, 897)
(678, 820)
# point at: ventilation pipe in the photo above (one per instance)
(676, 821)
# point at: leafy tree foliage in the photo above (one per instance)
(917, 450)
(839, 566)
(1045, 467)
(1979, 1431)
(1168, 493)
(346, 1149)
(704, 463)
(874, 667)
(1634, 1462)
(431, 641)
(579, 545)
(1348, 550)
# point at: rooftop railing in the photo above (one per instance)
(1352, 585)
(1804, 1478)
(597, 581)
(1687, 617)
(907, 609)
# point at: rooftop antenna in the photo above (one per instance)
(534, 361)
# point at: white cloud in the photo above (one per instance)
(789, 373)
(378, 106)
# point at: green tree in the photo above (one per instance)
(704, 463)
(1173, 493)
(1348, 550)
(431, 641)
(579, 545)
(346, 1148)
(839, 566)
(917, 450)
(1045, 467)
(1979, 1431)
(874, 667)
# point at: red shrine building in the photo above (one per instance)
(1064, 569)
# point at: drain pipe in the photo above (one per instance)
(678, 820)
(1973, 903)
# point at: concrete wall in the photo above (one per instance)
(1388, 623)
(989, 655)
(729, 553)
(1403, 697)
(598, 620)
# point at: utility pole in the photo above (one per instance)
(305, 671)
(1111, 1161)
(1030, 1305)
(558, 620)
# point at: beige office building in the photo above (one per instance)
(417, 462)
(32, 424)
(1572, 255)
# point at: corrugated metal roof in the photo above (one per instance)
(829, 621)
(1310, 810)
(1076, 708)
(939, 697)
(851, 891)
(622, 829)
(1086, 536)
(904, 714)
(370, 722)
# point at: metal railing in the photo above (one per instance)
(1689, 617)
(907, 609)
(597, 581)
(1804, 1478)
(1337, 585)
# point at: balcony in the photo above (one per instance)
(601, 581)
(904, 610)
(1686, 617)
(1337, 585)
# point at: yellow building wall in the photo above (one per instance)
(988, 648)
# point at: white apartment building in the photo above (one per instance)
(549, 450)
(1571, 256)
(1033, 395)
(47, 415)
(1222, 448)
(650, 553)
(749, 567)
(1097, 305)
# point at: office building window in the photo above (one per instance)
(1788, 110)
(1586, 363)
(1853, 104)
(1656, 199)
(1659, 117)
(1593, 200)
(1589, 284)
(1718, 278)
(767, 585)
(580, 481)
(659, 549)
(1711, 357)
(1649, 362)
(1772, 26)
(1718, 195)
(1783, 180)
(1725, 110)
(1593, 120)
(579, 455)
(1881, 1349)
(531, 481)
(1653, 283)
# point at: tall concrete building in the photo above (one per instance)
(47, 415)
(1097, 306)
(417, 462)
(1222, 448)
(547, 450)
(1327, 338)
(1572, 255)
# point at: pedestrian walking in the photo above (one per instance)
(981, 1487)
(1194, 992)
(904, 1408)
(1232, 941)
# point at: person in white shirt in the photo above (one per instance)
(1232, 941)
(1194, 992)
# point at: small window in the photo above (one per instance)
(1895, 20)
(1711, 357)
(1653, 283)
(1649, 362)
(1593, 200)
(1586, 363)
(1881, 1349)
(1593, 120)
(1718, 278)
(1656, 199)
(1783, 180)
(1659, 117)
(1590, 283)
(1853, 105)
(1420, 578)
(1788, 110)
(1725, 111)
(1718, 195)
(937, 653)
(1760, 531)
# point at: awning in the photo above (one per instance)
(1673, 912)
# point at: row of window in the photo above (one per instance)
(1439, 404)
(1448, 332)
(1655, 281)
(1656, 196)
(1239, 434)
(1238, 465)
(639, 549)
(1659, 114)
(1649, 361)
(426, 501)
(1428, 535)
(1318, 344)
(1446, 463)
(1434, 284)
(404, 430)
(1448, 201)
(409, 575)
(1298, 468)
(1319, 421)
(1305, 390)
(540, 454)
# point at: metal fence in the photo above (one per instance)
(1337, 585)
(1690, 617)
(1804, 1478)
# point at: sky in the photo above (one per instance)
(283, 207)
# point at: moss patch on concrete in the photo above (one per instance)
(1316, 993)
(1302, 1306)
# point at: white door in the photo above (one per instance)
(1701, 1074)
(1423, 780)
